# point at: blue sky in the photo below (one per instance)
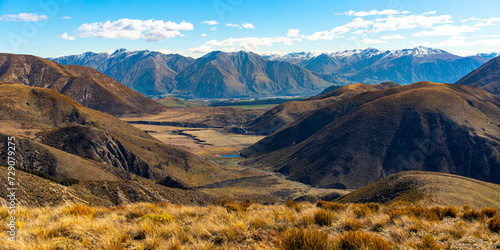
(50, 28)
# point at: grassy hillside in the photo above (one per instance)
(232, 225)
(428, 188)
(356, 141)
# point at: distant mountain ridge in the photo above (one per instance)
(246, 74)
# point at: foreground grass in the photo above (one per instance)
(232, 225)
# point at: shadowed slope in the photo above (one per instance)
(285, 113)
(359, 140)
(62, 138)
(486, 77)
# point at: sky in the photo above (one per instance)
(50, 28)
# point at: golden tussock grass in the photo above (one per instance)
(245, 225)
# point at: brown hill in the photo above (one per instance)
(359, 140)
(428, 188)
(285, 113)
(60, 138)
(84, 85)
(486, 77)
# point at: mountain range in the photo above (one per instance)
(246, 74)
(361, 139)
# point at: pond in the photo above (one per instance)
(229, 156)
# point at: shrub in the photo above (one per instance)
(331, 206)
(472, 215)
(362, 240)
(494, 224)
(305, 239)
(293, 205)
(466, 207)
(164, 217)
(489, 212)
(79, 210)
(323, 217)
(428, 243)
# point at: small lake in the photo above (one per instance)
(229, 156)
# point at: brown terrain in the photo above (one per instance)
(359, 140)
(87, 86)
(285, 113)
(486, 77)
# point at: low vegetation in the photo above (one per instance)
(246, 225)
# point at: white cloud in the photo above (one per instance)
(485, 21)
(213, 28)
(203, 49)
(67, 37)
(66, 17)
(446, 30)
(248, 25)
(133, 29)
(430, 12)
(234, 25)
(357, 32)
(293, 33)
(210, 22)
(373, 12)
(164, 51)
(461, 42)
(335, 32)
(409, 22)
(372, 41)
(250, 43)
(243, 25)
(394, 37)
(23, 17)
(203, 35)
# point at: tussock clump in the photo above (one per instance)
(79, 210)
(361, 240)
(416, 212)
(331, 205)
(305, 239)
(293, 205)
(443, 212)
(323, 217)
(489, 212)
(237, 207)
(164, 217)
(375, 207)
(351, 224)
(258, 223)
(494, 224)
(428, 243)
(472, 215)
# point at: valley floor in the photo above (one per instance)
(232, 225)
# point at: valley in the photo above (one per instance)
(215, 142)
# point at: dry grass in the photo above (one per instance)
(246, 225)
